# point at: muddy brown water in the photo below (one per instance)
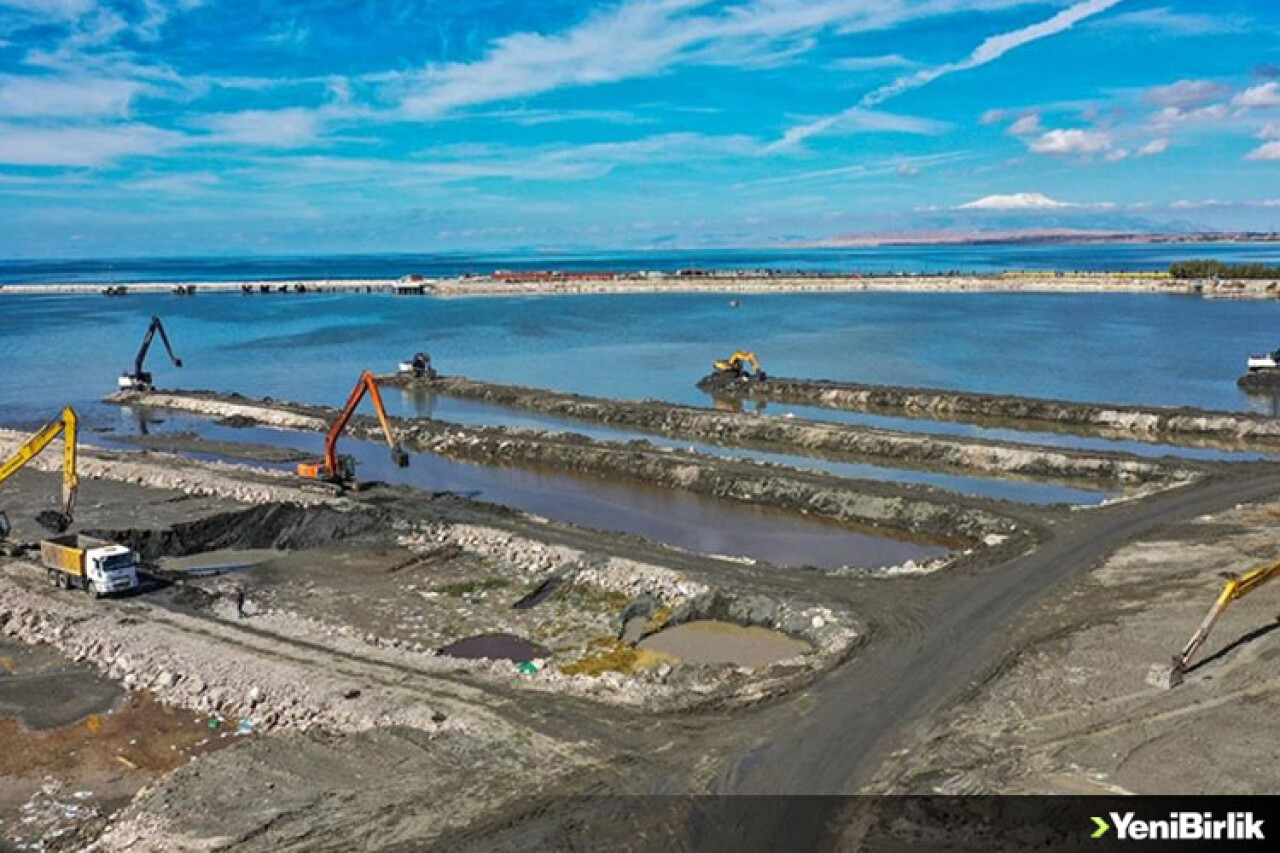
(495, 647)
(711, 641)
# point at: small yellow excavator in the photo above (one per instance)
(341, 470)
(731, 373)
(66, 426)
(1237, 586)
(736, 366)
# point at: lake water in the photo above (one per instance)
(1138, 348)
(878, 259)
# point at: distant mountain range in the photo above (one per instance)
(1041, 236)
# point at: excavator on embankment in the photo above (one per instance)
(340, 470)
(1237, 587)
(67, 426)
(140, 379)
(741, 367)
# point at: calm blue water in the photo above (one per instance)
(880, 259)
(1140, 348)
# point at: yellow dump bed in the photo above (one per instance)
(66, 553)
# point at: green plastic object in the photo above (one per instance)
(527, 668)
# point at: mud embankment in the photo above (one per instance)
(1190, 426)
(885, 509)
(811, 438)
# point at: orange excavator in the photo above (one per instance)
(342, 469)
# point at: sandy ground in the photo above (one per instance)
(1069, 711)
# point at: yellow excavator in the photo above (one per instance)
(66, 426)
(740, 364)
(1237, 586)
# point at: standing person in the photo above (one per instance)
(239, 595)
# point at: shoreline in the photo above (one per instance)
(1022, 282)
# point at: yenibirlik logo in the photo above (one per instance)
(1182, 826)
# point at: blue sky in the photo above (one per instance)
(221, 127)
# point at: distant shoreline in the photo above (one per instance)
(727, 283)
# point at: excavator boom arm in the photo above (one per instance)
(156, 326)
(366, 384)
(66, 425)
(1235, 588)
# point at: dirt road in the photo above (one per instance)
(830, 738)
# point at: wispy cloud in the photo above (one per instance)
(992, 49)
(643, 38)
(871, 63)
(1166, 21)
(859, 120)
(82, 146)
(72, 97)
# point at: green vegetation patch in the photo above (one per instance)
(588, 596)
(1217, 269)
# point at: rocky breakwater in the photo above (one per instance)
(805, 437)
(1140, 423)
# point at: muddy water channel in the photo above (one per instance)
(688, 521)
(421, 404)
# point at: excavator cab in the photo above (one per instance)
(140, 378)
(338, 468)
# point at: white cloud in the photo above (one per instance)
(1027, 125)
(642, 38)
(1170, 116)
(1265, 151)
(1016, 201)
(1185, 94)
(38, 97)
(870, 63)
(1155, 146)
(1073, 141)
(1165, 20)
(993, 116)
(988, 51)
(1262, 95)
(859, 120)
(993, 48)
(81, 146)
(292, 127)
(1270, 131)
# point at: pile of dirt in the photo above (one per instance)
(280, 526)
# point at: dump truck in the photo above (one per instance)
(76, 561)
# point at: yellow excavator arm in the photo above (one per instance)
(67, 426)
(1237, 587)
(735, 361)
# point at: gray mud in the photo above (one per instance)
(44, 690)
(1197, 427)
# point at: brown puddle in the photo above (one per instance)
(711, 641)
